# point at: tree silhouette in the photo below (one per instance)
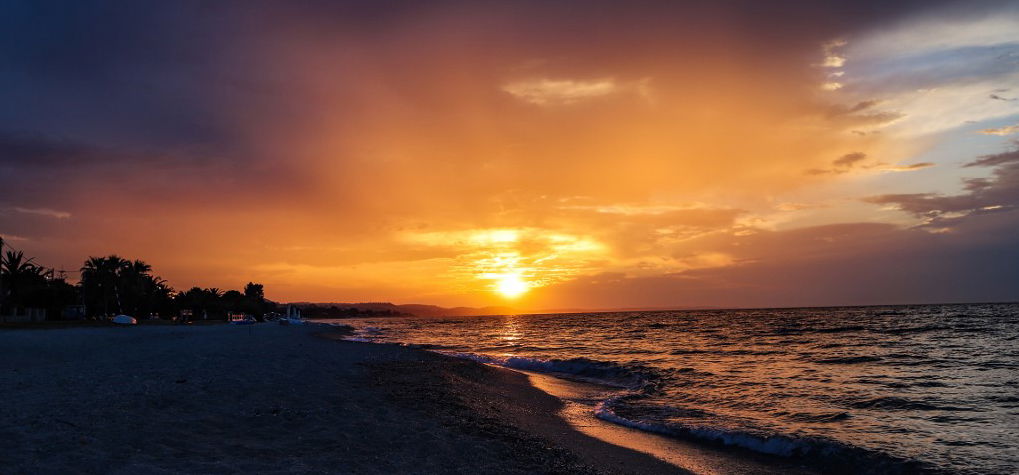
(113, 284)
(100, 281)
(19, 274)
(254, 291)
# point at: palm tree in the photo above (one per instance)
(134, 285)
(140, 267)
(155, 295)
(19, 273)
(14, 263)
(101, 280)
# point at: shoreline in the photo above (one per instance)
(575, 424)
(580, 399)
(509, 398)
(275, 399)
(282, 399)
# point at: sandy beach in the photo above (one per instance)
(275, 399)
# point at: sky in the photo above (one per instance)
(539, 155)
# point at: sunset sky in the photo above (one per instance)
(541, 155)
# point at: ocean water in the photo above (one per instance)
(865, 389)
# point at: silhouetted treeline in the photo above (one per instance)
(322, 311)
(25, 284)
(113, 285)
(215, 303)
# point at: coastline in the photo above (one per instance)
(274, 399)
(579, 402)
(564, 413)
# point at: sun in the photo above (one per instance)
(511, 286)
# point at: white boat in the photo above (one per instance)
(124, 320)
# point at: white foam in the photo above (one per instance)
(606, 374)
(773, 445)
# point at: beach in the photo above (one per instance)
(275, 399)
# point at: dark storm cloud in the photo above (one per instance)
(38, 152)
(33, 153)
(116, 74)
(147, 74)
(93, 83)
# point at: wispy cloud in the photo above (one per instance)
(856, 161)
(939, 213)
(907, 168)
(1006, 130)
(995, 159)
(44, 212)
(560, 91)
(833, 58)
(994, 95)
(849, 159)
(923, 68)
(635, 209)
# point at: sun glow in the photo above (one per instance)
(511, 286)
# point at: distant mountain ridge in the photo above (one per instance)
(420, 310)
(424, 310)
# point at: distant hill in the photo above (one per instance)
(383, 309)
(392, 309)
(628, 309)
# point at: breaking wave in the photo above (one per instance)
(818, 451)
(592, 371)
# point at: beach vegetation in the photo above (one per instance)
(113, 285)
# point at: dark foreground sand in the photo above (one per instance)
(275, 399)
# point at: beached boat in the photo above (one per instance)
(124, 320)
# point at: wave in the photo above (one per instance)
(854, 328)
(918, 329)
(637, 383)
(893, 403)
(817, 451)
(633, 377)
(725, 352)
(849, 360)
(822, 417)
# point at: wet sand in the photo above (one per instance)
(275, 399)
(579, 401)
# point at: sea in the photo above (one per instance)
(883, 389)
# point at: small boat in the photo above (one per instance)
(124, 320)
